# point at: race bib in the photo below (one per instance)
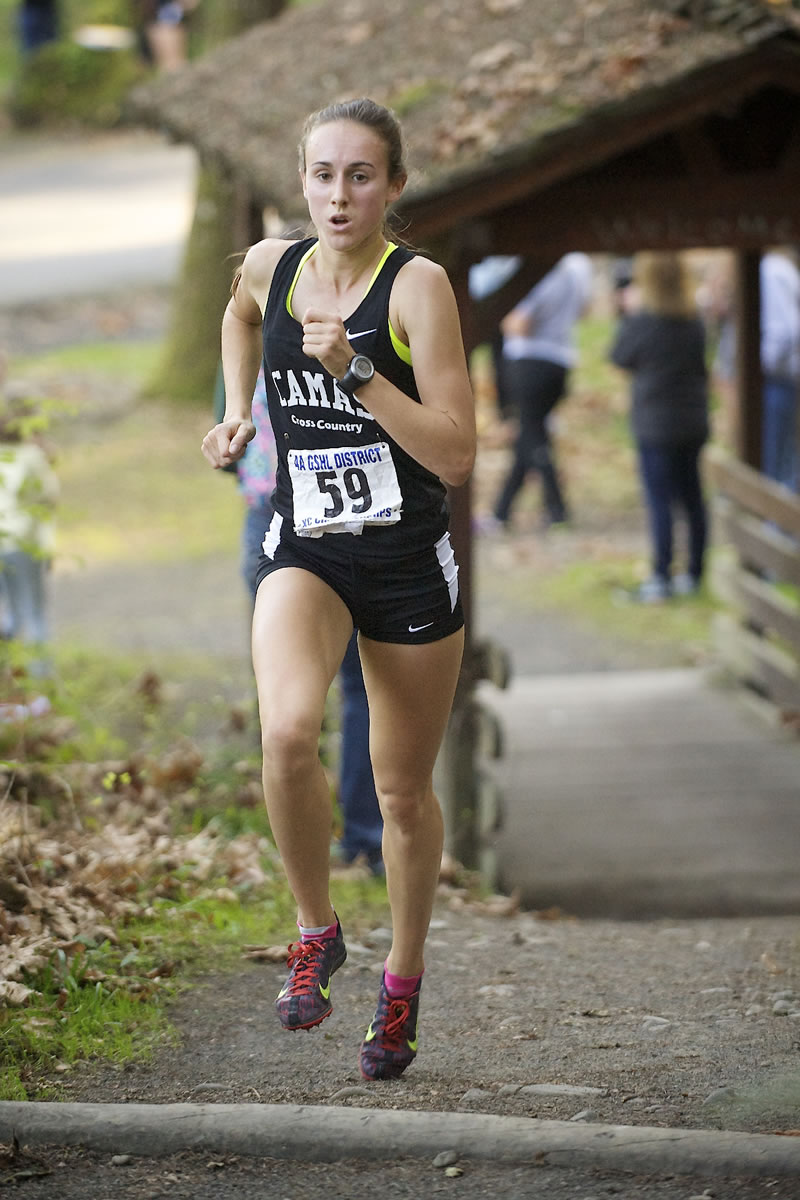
(344, 489)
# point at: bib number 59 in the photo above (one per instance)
(355, 484)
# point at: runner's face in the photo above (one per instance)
(346, 182)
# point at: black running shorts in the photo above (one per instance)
(410, 599)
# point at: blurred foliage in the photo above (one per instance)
(64, 83)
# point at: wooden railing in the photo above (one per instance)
(758, 636)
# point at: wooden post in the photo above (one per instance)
(455, 768)
(470, 800)
(748, 401)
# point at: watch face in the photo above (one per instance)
(362, 367)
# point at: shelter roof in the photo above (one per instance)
(481, 86)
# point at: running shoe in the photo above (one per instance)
(391, 1040)
(305, 998)
(685, 585)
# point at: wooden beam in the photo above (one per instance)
(699, 152)
(759, 663)
(760, 603)
(749, 386)
(759, 546)
(753, 491)
(602, 216)
(790, 159)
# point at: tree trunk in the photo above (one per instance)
(222, 229)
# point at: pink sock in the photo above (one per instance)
(399, 986)
(309, 934)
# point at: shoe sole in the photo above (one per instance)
(393, 1073)
(308, 1024)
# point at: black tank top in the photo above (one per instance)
(309, 411)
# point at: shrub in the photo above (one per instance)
(65, 83)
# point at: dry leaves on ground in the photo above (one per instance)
(108, 853)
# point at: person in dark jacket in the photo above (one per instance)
(662, 344)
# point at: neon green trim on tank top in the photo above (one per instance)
(293, 284)
(400, 348)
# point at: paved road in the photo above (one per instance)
(91, 214)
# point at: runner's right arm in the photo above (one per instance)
(241, 353)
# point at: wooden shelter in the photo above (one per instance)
(536, 128)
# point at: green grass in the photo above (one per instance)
(597, 596)
(92, 1022)
(124, 1017)
(154, 466)
(103, 699)
(134, 484)
(133, 361)
(9, 53)
(594, 438)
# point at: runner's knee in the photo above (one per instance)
(290, 742)
(405, 808)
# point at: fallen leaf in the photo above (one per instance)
(266, 953)
(14, 994)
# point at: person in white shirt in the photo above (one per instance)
(539, 351)
(28, 493)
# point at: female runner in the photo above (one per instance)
(372, 409)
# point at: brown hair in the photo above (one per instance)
(364, 112)
(665, 283)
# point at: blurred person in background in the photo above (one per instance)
(662, 344)
(162, 31)
(538, 353)
(780, 366)
(779, 283)
(38, 24)
(28, 494)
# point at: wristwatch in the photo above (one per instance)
(359, 371)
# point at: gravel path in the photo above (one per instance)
(690, 1025)
(518, 1015)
